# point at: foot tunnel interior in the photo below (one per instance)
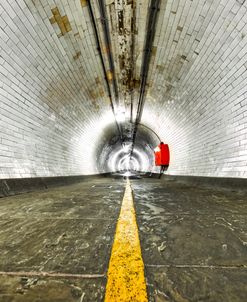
(123, 150)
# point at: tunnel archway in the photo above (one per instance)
(113, 154)
(92, 87)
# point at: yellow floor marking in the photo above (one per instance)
(125, 278)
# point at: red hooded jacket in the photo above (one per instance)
(162, 155)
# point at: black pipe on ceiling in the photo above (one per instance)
(103, 66)
(132, 51)
(151, 26)
(107, 38)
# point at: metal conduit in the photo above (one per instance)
(103, 66)
(108, 45)
(151, 25)
(132, 50)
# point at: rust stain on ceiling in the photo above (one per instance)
(83, 3)
(62, 21)
(77, 55)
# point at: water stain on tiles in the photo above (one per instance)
(62, 21)
(84, 3)
(120, 22)
(77, 55)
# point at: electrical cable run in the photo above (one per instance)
(151, 26)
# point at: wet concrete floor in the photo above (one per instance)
(55, 245)
(194, 241)
(66, 231)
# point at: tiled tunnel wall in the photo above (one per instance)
(53, 104)
(49, 119)
(200, 79)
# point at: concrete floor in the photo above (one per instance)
(194, 241)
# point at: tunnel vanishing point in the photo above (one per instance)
(88, 91)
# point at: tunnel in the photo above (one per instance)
(89, 89)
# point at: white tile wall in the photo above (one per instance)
(49, 123)
(200, 96)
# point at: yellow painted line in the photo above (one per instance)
(125, 278)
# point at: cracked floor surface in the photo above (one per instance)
(66, 232)
(193, 239)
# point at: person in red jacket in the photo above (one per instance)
(162, 157)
